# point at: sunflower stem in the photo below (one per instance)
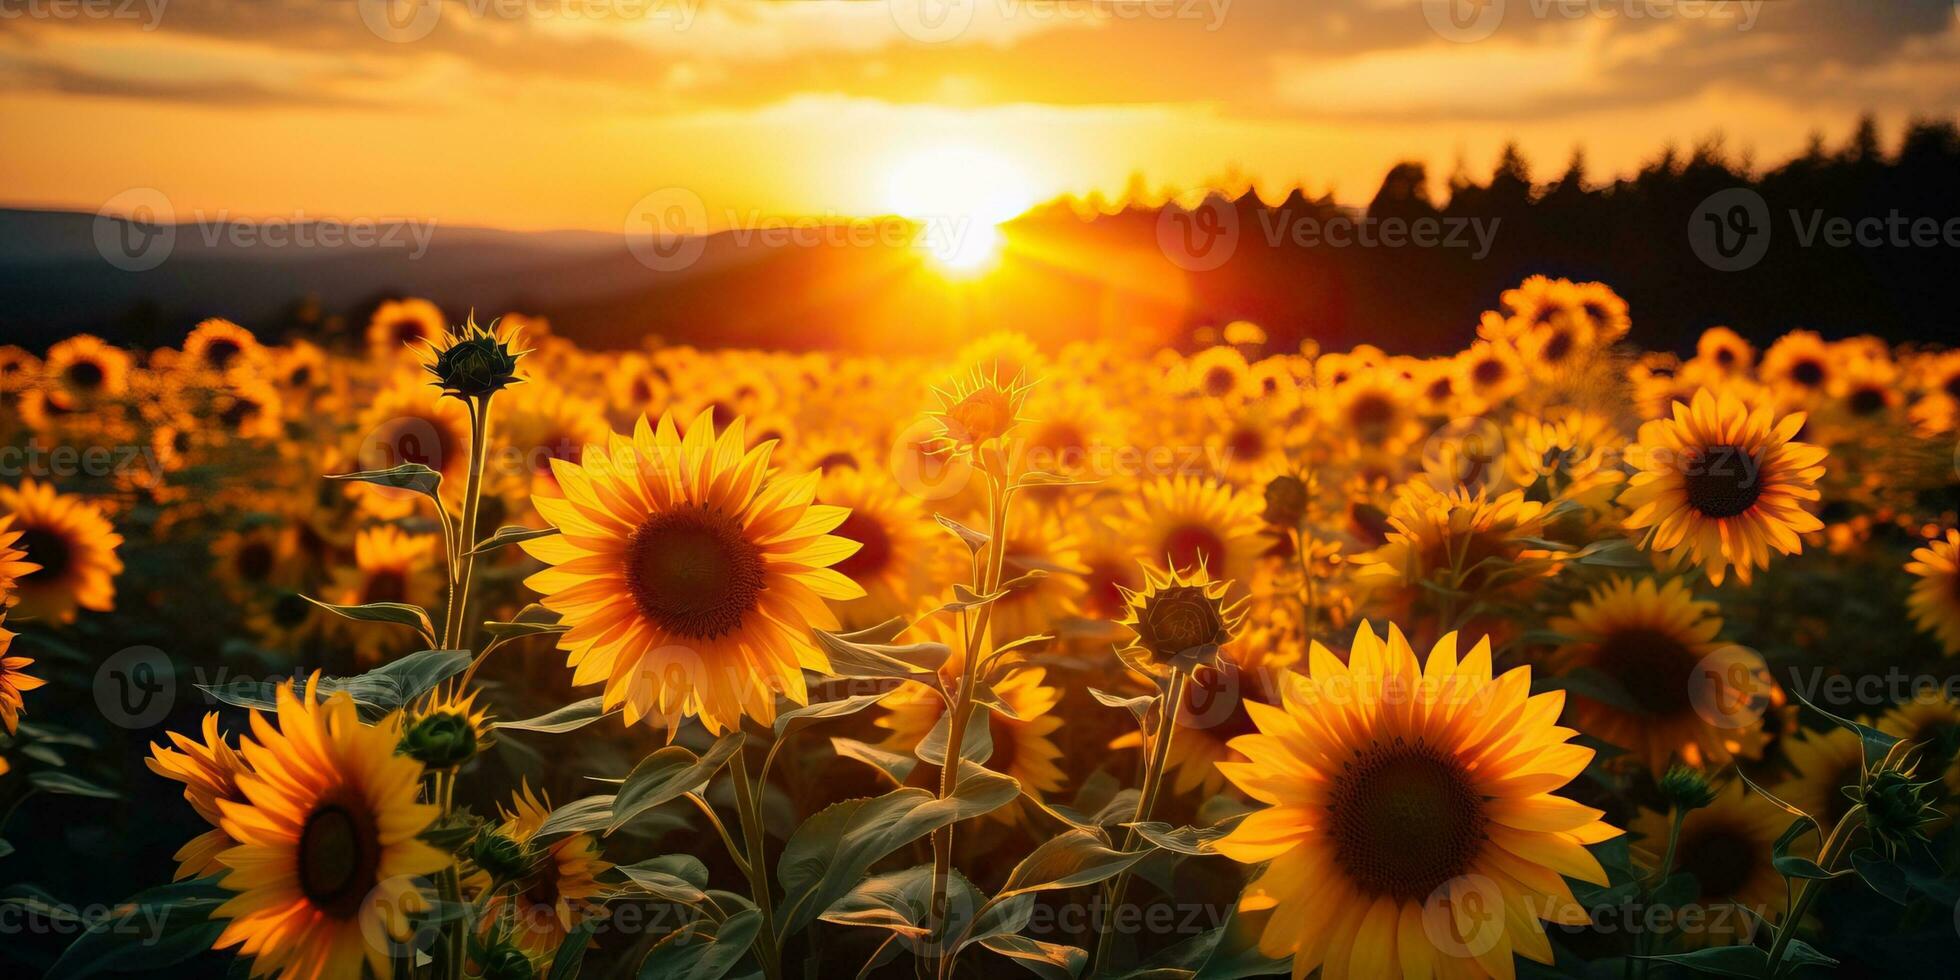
(1827, 858)
(758, 865)
(449, 889)
(987, 581)
(463, 559)
(1153, 781)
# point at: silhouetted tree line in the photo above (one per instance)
(1632, 233)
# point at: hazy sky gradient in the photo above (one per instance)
(536, 114)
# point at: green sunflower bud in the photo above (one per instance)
(1686, 789)
(473, 362)
(440, 741)
(504, 858)
(1896, 808)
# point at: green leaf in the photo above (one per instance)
(977, 746)
(5, 847)
(703, 949)
(417, 477)
(876, 660)
(1876, 743)
(1049, 961)
(901, 901)
(395, 613)
(974, 539)
(666, 775)
(1138, 707)
(1196, 841)
(579, 817)
(1070, 860)
(377, 692)
(827, 709)
(1724, 961)
(1800, 954)
(1776, 801)
(511, 534)
(671, 878)
(153, 929)
(570, 957)
(830, 852)
(894, 764)
(67, 784)
(569, 718)
(1884, 877)
(41, 753)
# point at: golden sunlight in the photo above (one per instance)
(959, 195)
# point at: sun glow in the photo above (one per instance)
(959, 195)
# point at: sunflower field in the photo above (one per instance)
(468, 652)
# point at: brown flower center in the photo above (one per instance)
(1721, 858)
(1219, 382)
(1867, 401)
(339, 856)
(1722, 480)
(1370, 415)
(1406, 820)
(1181, 618)
(1808, 372)
(1489, 371)
(220, 353)
(1557, 347)
(85, 375)
(1652, 666)
(254, 561)
(694, 572)
(387, 585)
(48, 550)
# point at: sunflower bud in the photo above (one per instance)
(1286, 501)
(504, 858)
(1180, 623)
(473, 362)
(979, 411)
(1896, 808)
(1686, 789)
(442, 740)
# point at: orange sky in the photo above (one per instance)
(536, 114)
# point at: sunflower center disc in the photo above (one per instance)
(1722, 860)
(1722, 480)
(1653, 667)
(1406, 821)
(339, 855)
(46, 549)
(85, 375)
(693, 572)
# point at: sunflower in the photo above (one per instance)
(389, 566)
(1184, 521)
(220, 346)
(539, 423)
(251, 408)
(1935, 599)
(13, 563)
(1866, 388)
(254, 560)
(1004, 353)
(1374, 408)
(327, 838)
(897, 546)
(19, 368)
(400, 323)
(75, 547)
(559, 886)
(1463, 541)
(1798, 366)
(83, 368)
(1217, 372)
(1489, 373)
(1568, 455)
(1213, 711)
(209, 770)
(1726, 846)
(1722, 484)
(1725, 350)
(690, 580)
(1398, 795)
(1931, 719)
(1040, 545)
(1650, 639)
(14, 680)
(1022, 746)
(407, 424)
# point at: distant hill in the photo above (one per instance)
(1141, 273)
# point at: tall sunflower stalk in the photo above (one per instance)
(471, 363)
(977, 416)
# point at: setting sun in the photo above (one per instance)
(959, 195)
